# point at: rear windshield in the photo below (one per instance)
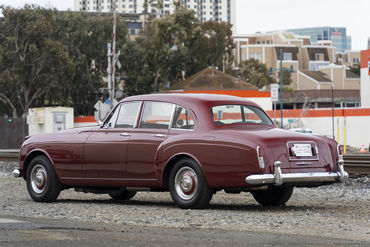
(231, 114)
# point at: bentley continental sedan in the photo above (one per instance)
(191, 145)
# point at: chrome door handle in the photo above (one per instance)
(160, 136)
(125, 134)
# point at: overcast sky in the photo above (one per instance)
(270, 15)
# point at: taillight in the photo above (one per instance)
(261, 163)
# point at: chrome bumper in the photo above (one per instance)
(278, 178)
(16, 173)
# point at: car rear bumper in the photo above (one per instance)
(278, 178)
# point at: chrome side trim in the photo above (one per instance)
(278, 178)
(16, 173)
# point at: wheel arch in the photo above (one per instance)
(170, 164)
(30, 156)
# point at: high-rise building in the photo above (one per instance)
(205, 10)
(338, 36)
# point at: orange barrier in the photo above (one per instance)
(352, 112)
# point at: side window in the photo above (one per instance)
(156, 115)
(250, 116)
(127, 115)
(182, 119)
(112, 121)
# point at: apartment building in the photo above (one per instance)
(314, 65)
(205, 10)
(348, 58)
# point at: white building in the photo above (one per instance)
(205, 10)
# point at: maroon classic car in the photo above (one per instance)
(189, 144)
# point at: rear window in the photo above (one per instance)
(231, 114)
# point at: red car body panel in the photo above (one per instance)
(135, 157)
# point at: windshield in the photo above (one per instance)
(230, 114)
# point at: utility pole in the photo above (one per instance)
(114, 51)
(112, 60)
(109, 70)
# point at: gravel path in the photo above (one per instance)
(336, 211)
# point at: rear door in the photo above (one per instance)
(145, 140)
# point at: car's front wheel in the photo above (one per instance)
(42, 182)
(274, 196)
(188, 186)
(122, 194)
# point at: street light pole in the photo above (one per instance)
(281, 70)
(332, 109)
(281, 87)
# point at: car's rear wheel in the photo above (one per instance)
(188, 186)
(122, 194)
(42, 182)
(273, 196)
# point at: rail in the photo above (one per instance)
(354, 164)
(357, 164)
(9, 154)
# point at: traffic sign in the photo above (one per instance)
(274, 92)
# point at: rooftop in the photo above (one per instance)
(211, 79)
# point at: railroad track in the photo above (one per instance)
(354, 164)
(357, 164)
(9, 154)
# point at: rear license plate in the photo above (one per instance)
(302, 150)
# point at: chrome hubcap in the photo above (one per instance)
(38, 178)
(186, 183)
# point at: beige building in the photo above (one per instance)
(313, 65)
(348, 58)
(336, 76)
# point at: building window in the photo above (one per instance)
(244, 57)
(256, 56)
(319, 57)
(287, 56)
(356, 60)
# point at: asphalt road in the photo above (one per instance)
(53, 233)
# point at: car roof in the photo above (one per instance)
(193, 98)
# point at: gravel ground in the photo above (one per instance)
(337, 211)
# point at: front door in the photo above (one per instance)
(106, 148)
